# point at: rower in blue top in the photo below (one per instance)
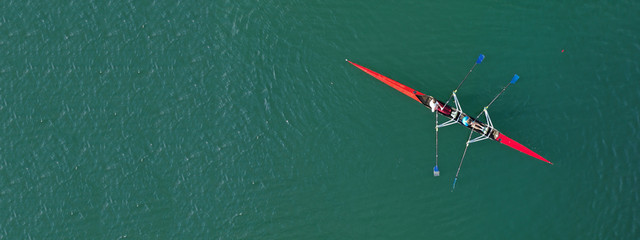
(467, 121)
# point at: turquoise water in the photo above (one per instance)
(241, 120)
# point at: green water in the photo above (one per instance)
(241, 120)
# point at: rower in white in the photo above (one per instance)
(433, 104)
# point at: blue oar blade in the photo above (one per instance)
(453, 187)
(515, 78)
(480, 58)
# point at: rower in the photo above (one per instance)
(466, 121)
(433, 104)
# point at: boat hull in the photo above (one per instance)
(453, 113)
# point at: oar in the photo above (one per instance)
(478, 61)
(436, 171)
(513, 81)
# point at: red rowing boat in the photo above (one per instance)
(453, 113)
